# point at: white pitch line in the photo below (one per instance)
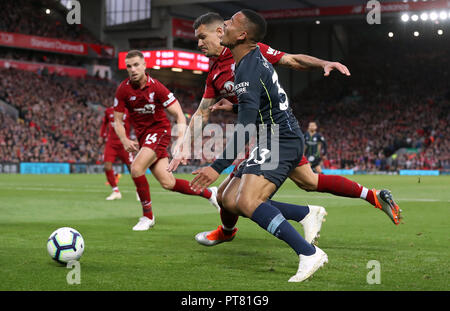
(300, 196)
(75, 190)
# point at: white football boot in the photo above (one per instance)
(144, 223)
(312, 223)
(309, 264)
(115, 195)
(213, 198)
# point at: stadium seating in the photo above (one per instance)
(378, 119)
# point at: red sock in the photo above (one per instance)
(371, 197)
(182, 186)
(229, 220)
(143, 190)
(344, 187)
(111, 178)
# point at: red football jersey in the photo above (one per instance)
(107, 128)
(145, 106)
(220, 79)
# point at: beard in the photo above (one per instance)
(232, 45)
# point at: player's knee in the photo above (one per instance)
(167, 184)
(219, 197)
(309, 186)
(307, 182)
(136, 171)
(246, 205)
(228, 201)
(107, 166)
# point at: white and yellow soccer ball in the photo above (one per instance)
(65, 244)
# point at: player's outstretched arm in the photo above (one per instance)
(306, 62)
(194, 130)
(176, 111)
(128, 144)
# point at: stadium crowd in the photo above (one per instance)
(378, 119)
(58, 117)
(392, 113)
(30, 18)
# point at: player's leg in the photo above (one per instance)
(144, 159)
(311, 217)
(169, 182)
(228, 215)
(252, 201)
(109, 156)
(127, 158)
(109, 172)
(306, 179)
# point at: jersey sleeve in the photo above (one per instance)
(119, 99)
(210, 91)
(163, 95)
(273, 56)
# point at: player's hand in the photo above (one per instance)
(222, 104)
(179, 156)
(130, 145)
(205, 177)
(329, 66)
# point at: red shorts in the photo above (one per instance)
(158, 140)
(114, 151)
(303, 161)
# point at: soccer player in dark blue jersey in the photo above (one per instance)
(315, 147)
(279, 148)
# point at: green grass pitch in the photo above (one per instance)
(412, 256)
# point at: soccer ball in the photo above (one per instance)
(65, 244)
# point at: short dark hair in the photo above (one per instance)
(258, 25)
(208, 19)
(134, 53)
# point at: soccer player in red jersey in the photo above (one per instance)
(220, 84)
(147, 101)
(114, 149)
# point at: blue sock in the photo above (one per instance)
(270, 218)
(291, 211)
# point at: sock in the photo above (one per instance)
(143, 190)
(229, 221)
(115, 189)
(182, 186)
(344, 187)
(370, 197)
(111, 178)
(291, 211)
(270, 218)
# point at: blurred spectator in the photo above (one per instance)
(29, 17)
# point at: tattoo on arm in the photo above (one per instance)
(205, 103)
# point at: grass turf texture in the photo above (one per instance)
(413, 256)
